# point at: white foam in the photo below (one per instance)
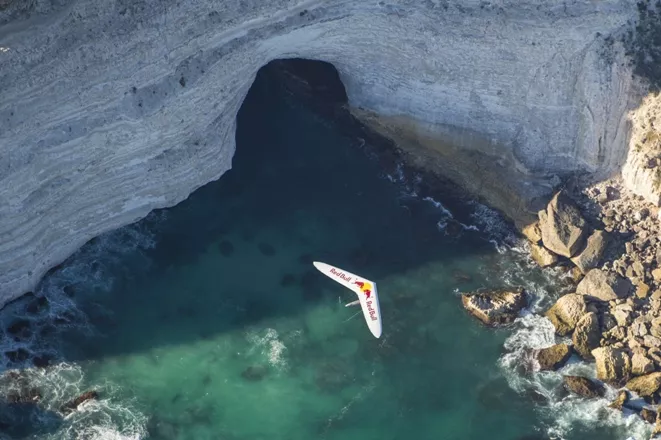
(270, 346)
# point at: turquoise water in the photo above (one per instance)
(208, 321)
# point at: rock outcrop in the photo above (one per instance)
(602, 285)
(553, 357)
(562, 226)
(583, 386)
(566, 312)
(586, 335)
(590, 257)
(109, 110)
(613, 365)
(495, 307)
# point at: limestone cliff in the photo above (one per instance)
(109, 109)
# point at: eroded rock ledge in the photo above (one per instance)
(111, 109)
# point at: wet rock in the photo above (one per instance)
(266, 249)
(641, 365)
(533, 233)
(495, 307)
(566, 312)
(583, 386)
(562, 226)
(226, 248)
(603, 285)
(586, 335)
(645, 386)
(42, 361)
(553, 357)
(649, 415)
(542, 256)
(613, 365)
(72, 405)
(620, 401)
(591, 256)
(254, 373)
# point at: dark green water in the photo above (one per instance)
(208, 321)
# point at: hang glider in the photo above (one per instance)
(365, 289)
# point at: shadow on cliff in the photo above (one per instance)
(238, 251)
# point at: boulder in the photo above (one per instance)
(613, 365)
(651, 341)
(72, 405)
(641, 365)
(620, 401)
(533, 233)
(586, 335)
(553, 357)
(591, 256)
(566, 312)
(645, 386)
(656, 274)
(542, 256)
(642, 290)
(562, 226)
(583, 386)
(649, 415)
(602, 285)
(495, 307)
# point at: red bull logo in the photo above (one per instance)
(366, 288)
(340, 274)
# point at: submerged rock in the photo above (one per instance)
(613, 365)
(586, 335)
(602, 285)
(254, 372)
(566, 312)
(495, 307)
(553, 357)
(562, 226)
(649, 415)
(583, 386)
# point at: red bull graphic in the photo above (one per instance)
(365, 287)
(340, 274)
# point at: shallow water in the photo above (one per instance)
(208, 321)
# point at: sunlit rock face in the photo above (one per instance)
(109, 109)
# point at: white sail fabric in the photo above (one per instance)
(364, 288)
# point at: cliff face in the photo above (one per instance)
(109, 109)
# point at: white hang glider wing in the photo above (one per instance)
(365, 289)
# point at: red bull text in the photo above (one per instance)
(371, 311)
(341, 275)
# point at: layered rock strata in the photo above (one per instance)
(111, 109)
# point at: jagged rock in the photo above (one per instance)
(642, 290)
(613, 365)
(652, 341)
(562, 226)
(553, 357)
(591, 256)
(657, 427)
(495, 307)
(566, 312)
(646, 385)
(640, 365)
(649, 415)
(533, 233)
(622, 317)
(621, 400)
(607, 322)
(586, 335)
(639, 328)
(542, 256)
(602, 285)
(655, 327)
(655, 354)
(583, 386)
(656, 274)
(72, 405)
(576, 275)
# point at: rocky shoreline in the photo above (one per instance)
(608, 241)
